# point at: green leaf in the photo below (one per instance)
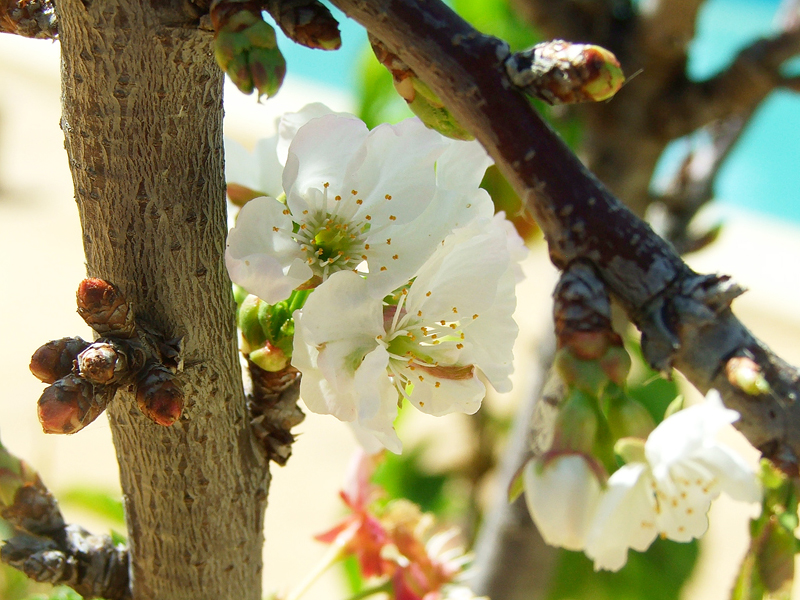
(658, 574)
(98, 502)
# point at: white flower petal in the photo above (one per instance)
(734, 475)
(462, 165)
(452, 395)
(414, 242)
(625, 518)
(268, 169)
(562, 498)
(687, 430)
(399, 163)
(264, 261)
(341, 309)
(289, 123)
(321, 152)
(463, 273)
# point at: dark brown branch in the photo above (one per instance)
(29, 18)
(685, 318)
(48, 550)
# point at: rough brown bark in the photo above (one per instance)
(142, 118)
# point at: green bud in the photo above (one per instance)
(626, 417)
(249, 322)
(577, 423)
(616, 364)
(745, 374)
(586, 375)
(270, 358)
(431, 110)
(246, 49)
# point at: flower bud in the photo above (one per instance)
(104, 308)
(745, 374)
(70, 404)
(307, 22)
(102, 363)
(248, 321)
(560, 72)
(577, 424)
(421, 99)
(627, 417)
(562, 493)
(56, 358)
(616, 364)
(269, 358)
(246, 49)
(158, 395)
(586, 375)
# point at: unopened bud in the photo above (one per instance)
(560, 72)
(421, 99)
(307, 22)
(240, 195)
(577, 424)
(269, 358)
(158, 395)
(246, 49)
(627, 418)
(104, 308)
(70, 404)
(56, 359)
(745, 374)
(586, 375)
(616, 364)
(102, 363)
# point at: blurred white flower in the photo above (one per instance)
(355, 200)
(360, 356)
(669, 492)
(562, 493)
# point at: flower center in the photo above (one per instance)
(331, 243)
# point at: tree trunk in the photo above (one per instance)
(142, 118)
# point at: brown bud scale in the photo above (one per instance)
(104, 308)
(56, 358)
(158, 395)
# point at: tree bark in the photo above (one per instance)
(142, 119)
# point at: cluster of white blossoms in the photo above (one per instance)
(665, 488)
(413, 277)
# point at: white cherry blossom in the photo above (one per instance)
(669, 491)
(562, 494)
(378, 201)
(360, 356)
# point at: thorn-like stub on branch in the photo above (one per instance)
(560, 72)
(71, 403)
(159, 396)
(56, 358)
(307, 22)
(104, 308)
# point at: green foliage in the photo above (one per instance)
(648, 386)
(58, 593)
(658, 574)
(404, 477)
(96, 501)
